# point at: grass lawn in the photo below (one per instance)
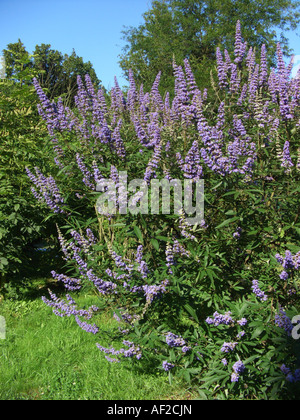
(47, 357)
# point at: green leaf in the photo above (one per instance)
(191, 311)
(138, 233)
(155, 244)
(163, 238)
(3, 261)
(257, 332)
(227, 222)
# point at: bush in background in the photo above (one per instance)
(214, 302)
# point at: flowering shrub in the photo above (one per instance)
(199, 301)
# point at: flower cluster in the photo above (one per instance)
(238, 369)
(228, 347)
(153, 164)
(152, 291)
(169, 257)
(119, 261)
(185, 227)
(220, 319)
(174, 340)
(290, 377)
(70, 284)
(102, 286)
(289, 264)
(48, 191)
(258, 292)
(142, 265)
(237, 234)
(191, 167)
(88, 177)
(68, 308)
(93, 329)
(172, 251)
(132, 351)
(284, 322)
(167, 366)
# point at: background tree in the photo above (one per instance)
(17, 63)
(56, 72)
(195, 28)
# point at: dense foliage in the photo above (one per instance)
(214, 302)
(23, 143)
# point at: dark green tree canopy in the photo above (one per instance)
(56, 72)
(195, 28)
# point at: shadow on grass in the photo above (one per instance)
(34, 277)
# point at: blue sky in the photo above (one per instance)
(92, 27)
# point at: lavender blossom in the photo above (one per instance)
(167, 366)
(179, 249)
(185, 227)
(67, 308)
(234, 377)
(237, 234)
(222, 73)
(240, 335)
(228, 347)
(120, 263)
(286, 157)
(242, 322)
(132, 93)
(118, 142)
(258, 293)
(93, 329)
(238, 369)
(169, 258)
(88, 178)
(47, 110)
(103, 287)
(174, 340)
(156, 98)
(142, 265)
(284, 322)
(191, 81)
(70, 284)
(152, 291)
(48, 191)
(239, 46)
(289, 263)
(91, 236)
(220, 319)
(263, 73)
(131, 352)
(153, 164)
(292, 378)
(191, 167)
